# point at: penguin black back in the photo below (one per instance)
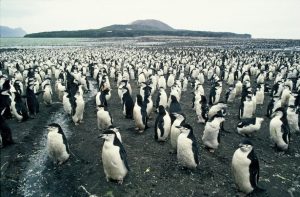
(175, 105)
(192, 137)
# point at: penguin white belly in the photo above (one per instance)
(98, 102)
(293, 120)
(149, 106)
(260, 97)
(14, 111)
(67, 105)
(248, 129)
(240, 169)
(78, 116)
(56, 148)
(231, 96)
(167, 126)
(47, 96)
(276, 133)
(114, 167)
(103, 119)
(210, 135)
(137, 116)
(248, 110)
(199, 113)
(185, 155)
(175, 132)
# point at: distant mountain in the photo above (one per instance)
(11, 32)
(148, 27)
(153, 23)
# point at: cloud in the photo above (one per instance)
(268, 18)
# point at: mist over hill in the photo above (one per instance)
(11, 32)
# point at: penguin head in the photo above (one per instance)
(173, 98)
(114, 129)
(246, 145)
(108, 135)
(139, 99)
(179, 116)
(260, 120)
(54, 127)
(279, 112)
(185, 128)
(100, 107)
(161, 109)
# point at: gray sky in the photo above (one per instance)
(261, 18)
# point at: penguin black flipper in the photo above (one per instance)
(122, 152)
(194, 146)
(247, 122)
(253, 169)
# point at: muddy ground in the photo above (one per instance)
(27, 171)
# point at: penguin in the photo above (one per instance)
(293, 117)
(202, 109)
(57, 145)
(162, 125)
(217, 108)
(78, 105)
(171, 80)
(174, 133)
(104, 118)
(215, 93)
(47, 94)
(245, 168)
(31, 100)
(5, 132)
(67, 103)
(230, 94)
(211, 134)
(18, 108)
(102, 97)
(148, 100)
(162, 99)
(259, 93)
(140, 114)
(114, 157)
(248, 126)
(246, 107)
(274, 104)
(127, 103)
(187, 147)
(5, 100)
(279, 129)
(174, 105)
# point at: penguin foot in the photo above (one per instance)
(120, 182)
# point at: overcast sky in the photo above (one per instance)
(261, 18)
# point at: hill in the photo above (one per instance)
(137, 28)
(11, 32)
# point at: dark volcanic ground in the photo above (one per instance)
(26, 170)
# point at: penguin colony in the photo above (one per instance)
(161, 80)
